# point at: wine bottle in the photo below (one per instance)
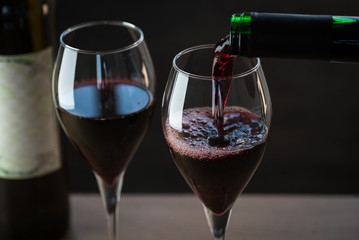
(33, 191)
(322, 37)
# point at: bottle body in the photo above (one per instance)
(323, 37)
(34, 208)
(33, 192)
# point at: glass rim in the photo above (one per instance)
(98, 23)
(204, 46)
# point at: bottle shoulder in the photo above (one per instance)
(23, 27)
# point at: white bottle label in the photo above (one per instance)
(29, 143)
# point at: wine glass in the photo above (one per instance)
(103, 91)
(216, 165)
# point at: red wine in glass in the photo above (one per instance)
(218, 169)
(107, 123)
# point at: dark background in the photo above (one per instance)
(315, 134)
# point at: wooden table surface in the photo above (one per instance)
(254, 217)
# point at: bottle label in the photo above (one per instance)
(29, 143)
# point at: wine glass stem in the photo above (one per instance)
(218, 223)
(111, 197)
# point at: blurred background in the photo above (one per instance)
(315, 136)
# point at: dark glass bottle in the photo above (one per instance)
(323, 37)
(34, 200)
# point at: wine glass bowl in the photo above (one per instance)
(103, 91)
(217, 165)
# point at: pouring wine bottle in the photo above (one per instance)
(33, 192)
(322, 37)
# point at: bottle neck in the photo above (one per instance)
(240, 27)
(295, 36)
